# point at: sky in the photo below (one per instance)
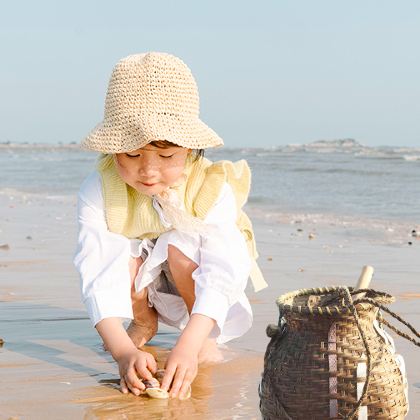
(270, 73)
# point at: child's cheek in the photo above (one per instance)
(126, 175)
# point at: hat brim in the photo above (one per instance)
(135, 133)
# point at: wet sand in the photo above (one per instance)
(52, 364)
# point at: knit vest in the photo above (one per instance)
(131, 213)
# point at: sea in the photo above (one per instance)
(333, 180)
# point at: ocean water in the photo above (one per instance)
(330, 178)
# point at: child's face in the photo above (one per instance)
(150, 170)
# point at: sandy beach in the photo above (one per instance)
(52, 364)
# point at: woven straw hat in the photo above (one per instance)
(151, 97)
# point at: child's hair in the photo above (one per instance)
(197, 153)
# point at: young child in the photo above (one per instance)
(161, 232)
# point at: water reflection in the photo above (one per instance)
(225, 390)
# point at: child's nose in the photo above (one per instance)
(148, 167)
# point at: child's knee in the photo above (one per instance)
(179, 262)
(139, 297)
(134, 265)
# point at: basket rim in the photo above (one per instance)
(328, 310)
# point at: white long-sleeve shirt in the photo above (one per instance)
(102, 260)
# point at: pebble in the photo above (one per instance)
(5, 247)
(415, 234)
(29, 237)
(299, 230)
(1, 341)
(301, 270)
(312, 236)
(269, 258)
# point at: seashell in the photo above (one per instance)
(153, 383)
(160, 373)
(157, 393)
(153, 389)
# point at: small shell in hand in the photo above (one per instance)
(157, 393)
(153, 389)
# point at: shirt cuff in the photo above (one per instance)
(109, 304)
(211, 303)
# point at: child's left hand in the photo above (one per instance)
(180, 370)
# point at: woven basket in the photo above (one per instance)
(330, 358)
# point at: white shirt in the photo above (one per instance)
(102, 260)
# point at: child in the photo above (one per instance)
(161, 232)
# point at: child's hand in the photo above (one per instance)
(181, 368)
(132, 365)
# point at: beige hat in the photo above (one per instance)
(151, 97)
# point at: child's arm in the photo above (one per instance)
(132, 362)
(181, 366)
(224, 267)
(102, 259)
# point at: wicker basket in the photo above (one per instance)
(330, 358)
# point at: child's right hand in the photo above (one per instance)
(132, 365)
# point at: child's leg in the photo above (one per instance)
(145, 323)
(181, 268)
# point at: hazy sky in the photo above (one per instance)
(269, 72)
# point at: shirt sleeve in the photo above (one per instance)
(101, 258)
(225, 264)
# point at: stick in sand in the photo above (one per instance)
(364, 280)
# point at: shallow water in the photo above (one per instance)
(340, 178)
(59, 349)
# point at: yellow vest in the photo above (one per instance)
(132, 214)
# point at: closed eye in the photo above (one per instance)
(166, 157)
(132, 156)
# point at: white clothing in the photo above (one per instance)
(102, 259)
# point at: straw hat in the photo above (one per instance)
(150, 97)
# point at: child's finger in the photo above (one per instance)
(142, 370)
(167, 378)
(132, 388)
(132, 380)
(151, 363)
(123, 386)
(178, 380)
(186, 387)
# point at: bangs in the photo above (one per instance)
(163, 144)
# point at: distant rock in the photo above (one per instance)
(339, 143)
